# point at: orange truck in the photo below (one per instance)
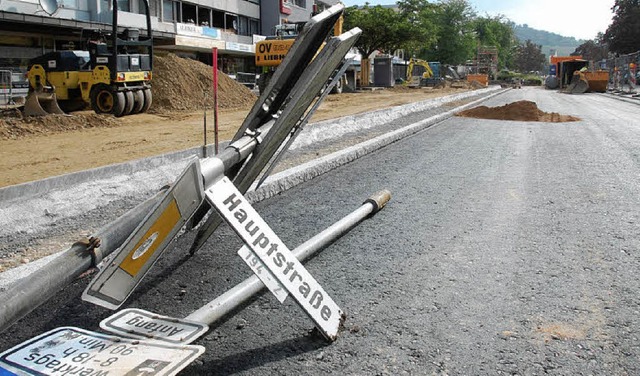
(574, 76)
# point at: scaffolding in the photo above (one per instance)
(487, 60)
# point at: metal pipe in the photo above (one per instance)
(239, 294)
(26, 294)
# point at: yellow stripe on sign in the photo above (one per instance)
(150, 242)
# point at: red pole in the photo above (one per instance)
(215, 96)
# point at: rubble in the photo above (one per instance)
(180, 84)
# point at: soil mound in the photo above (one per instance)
(520, 111)
(180, 84)
(17, 126)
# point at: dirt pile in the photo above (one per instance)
(16, 126)
(520, 111)
(180, 84)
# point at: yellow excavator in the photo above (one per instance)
(428, 72)
(113, 75)
(271, 51)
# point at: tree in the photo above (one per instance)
(421, 18)
(496, 31)
(592, 50)
(623, 35)
(529, 57)
(455, 34)
(382, 28)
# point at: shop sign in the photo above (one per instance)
(188, 29)
(242, 47)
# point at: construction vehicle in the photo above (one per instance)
(112, 75)
(427, 74)
(573, 76)
(271, 51)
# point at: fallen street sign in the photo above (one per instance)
(269, 280)
(138, 323)
(257, 235)
(74, 351)
(132, 261)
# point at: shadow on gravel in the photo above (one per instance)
(257, 357)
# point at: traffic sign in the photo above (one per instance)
(115, 282)
(257, 235)
(138, 323)
(74, 351)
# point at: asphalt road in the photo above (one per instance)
(507, 248)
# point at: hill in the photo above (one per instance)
(548, 40)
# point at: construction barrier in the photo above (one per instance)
(623, 71)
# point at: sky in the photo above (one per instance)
(569, 18)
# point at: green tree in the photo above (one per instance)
(382, 28)
(623, 35)
(455, 34)
(529, 57)
(497, 31)
(594, 50)
(421, 18)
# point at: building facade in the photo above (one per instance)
(30, 28)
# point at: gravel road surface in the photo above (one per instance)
(508, 248)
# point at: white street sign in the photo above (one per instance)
(138, 323)
(265, 275)
(257, 235)
(74, 351)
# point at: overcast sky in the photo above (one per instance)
(571, 18)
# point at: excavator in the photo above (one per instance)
(112, 75)
(271, 51)
(428, 73)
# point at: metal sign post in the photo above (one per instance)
(275, 255)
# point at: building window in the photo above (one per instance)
(217, 19)
(231, 22)
(68, 4)
(189, 13)
(254, 26)
(142, 9)
(204, 16)
(300, 3)
(123, 5)
(243, 25)
(170, 11)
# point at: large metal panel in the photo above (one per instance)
(280, 88)
(305, 91)
(288, 73)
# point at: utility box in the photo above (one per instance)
(383, 71)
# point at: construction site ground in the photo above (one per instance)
(33, 149)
